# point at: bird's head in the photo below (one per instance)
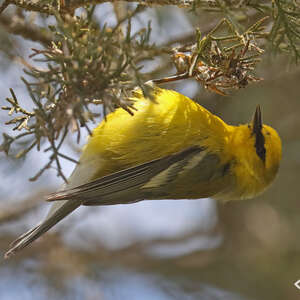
(267, 143)
(257, 147)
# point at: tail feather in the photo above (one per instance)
(52, 219)
(24, 235)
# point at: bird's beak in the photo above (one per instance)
(257, 121)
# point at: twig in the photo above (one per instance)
(19, 209)
(4, 6)
(70, 6)
(18, 26)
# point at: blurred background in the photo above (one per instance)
(188, 249)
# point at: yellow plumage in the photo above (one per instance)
(170, 124)
(171, 148)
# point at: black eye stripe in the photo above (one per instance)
(260, 146)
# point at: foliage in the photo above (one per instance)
(285, 33)
(213, 61)
(85, 65)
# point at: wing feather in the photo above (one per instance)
(126, 179)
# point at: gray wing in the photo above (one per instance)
(99, 190)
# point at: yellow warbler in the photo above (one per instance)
(172, 148)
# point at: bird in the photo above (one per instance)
(170, 148)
